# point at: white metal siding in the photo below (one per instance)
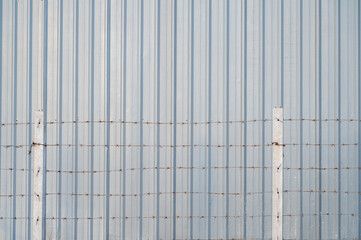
(203, 70)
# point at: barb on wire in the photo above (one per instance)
(31, 147)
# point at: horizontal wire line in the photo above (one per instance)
(183, 123)
(174, 146)
(180, 193)
(137, 122)
(182, 168)
(320, 191)
(155, 193)
(197, 168)
(187, 217)
(238, 216)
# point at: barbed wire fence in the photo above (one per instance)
(349, 167)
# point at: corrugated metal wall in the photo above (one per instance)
(159, 117)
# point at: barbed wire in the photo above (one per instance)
(6, 146)
(133, 195)
(156, 193)
(320, 191)
(198, 168)
(205, 217)
(322, 120)
(179, 193)
(135, 145)
(182, 168)
(13, 195)
(203, 193)
(55, 122)
(187, 122)
(186, 168)
(187, 217)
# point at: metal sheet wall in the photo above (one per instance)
(150, 109)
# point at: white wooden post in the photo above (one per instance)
(277, 166)
(38, 148)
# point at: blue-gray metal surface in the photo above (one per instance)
(150, 106)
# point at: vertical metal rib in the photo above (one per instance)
(192, 118)
(76, 118)
(60, 115)
(15, 114)
(227, 123)
(282, 52)
(1, 82)
(30, 86)
(301, 116)
(339, 117)
(209, 120)
(175, 124)
(158, 120)
(92, 121)
(108, 122)
(359, 118)
(124, 113)
(45, 109)
(245, 126)
(263, 114)
(141, 119)
(320, 117)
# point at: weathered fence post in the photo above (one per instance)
(38, 148)
(277, 166)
